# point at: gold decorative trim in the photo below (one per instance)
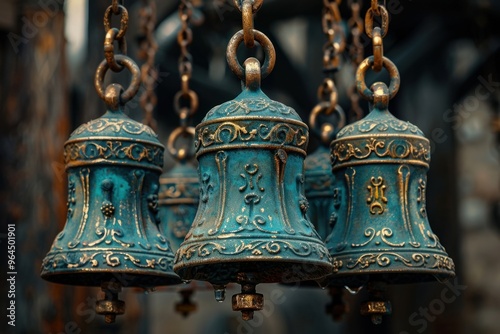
(424, 261)
(110, 258)
(351, 151)
(229, 132)
(113, 152)
(377, 201)
(255, 248)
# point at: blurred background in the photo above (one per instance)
(448, 55)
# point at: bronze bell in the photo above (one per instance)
(319, 190)
(112, 238)
(178, 198)
(178, 202)
(382, 232)
(251, 226)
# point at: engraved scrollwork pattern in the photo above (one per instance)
(114, 125)
(443, 262)
(383, 259)
(255, 248)
(106, 258)
(118, 150)
(395, 149)
(367, 126)
(249, 221)
(381, 236)
(251, 105)
(230, 132)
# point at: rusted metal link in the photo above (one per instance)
(256, 5)
(191, 100)
(265, 43)
(109, 49)
(327, 130)
(183, 152)
(123, 20)
(366, 92)
(378, 50)
(126, 95)
(247, 16)
(384, 24)
(327, 92)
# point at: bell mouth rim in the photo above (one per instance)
(252, 118)
(322, 269)
(140, 277)
(411, 276)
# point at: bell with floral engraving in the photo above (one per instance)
(112, 237)
(382, 234)
(251, 226)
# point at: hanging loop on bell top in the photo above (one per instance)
(114, 95)
(181, 153)
(232, 59)
(326, 130)
(114, 101)
(367, 93)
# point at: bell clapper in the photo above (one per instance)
(377, 305)
(248, 301)
(337, 308)
(220, 292)
(186, 306)
(110, 306)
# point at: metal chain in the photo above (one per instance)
(377, 33)
(327, 92)
(356, 50)
(115, 34)
(184, 39)
(331, 23)
(115, 95)
(147, 52)
(186, 100)
(379, 94)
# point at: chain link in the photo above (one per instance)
(379, 94)
(331, 23)
(115, 95)
(356, 53)
(248, 9)
(377, 33)
(147, 52)
(185, 96)
(185, 100)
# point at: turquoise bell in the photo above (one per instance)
(251, 226)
